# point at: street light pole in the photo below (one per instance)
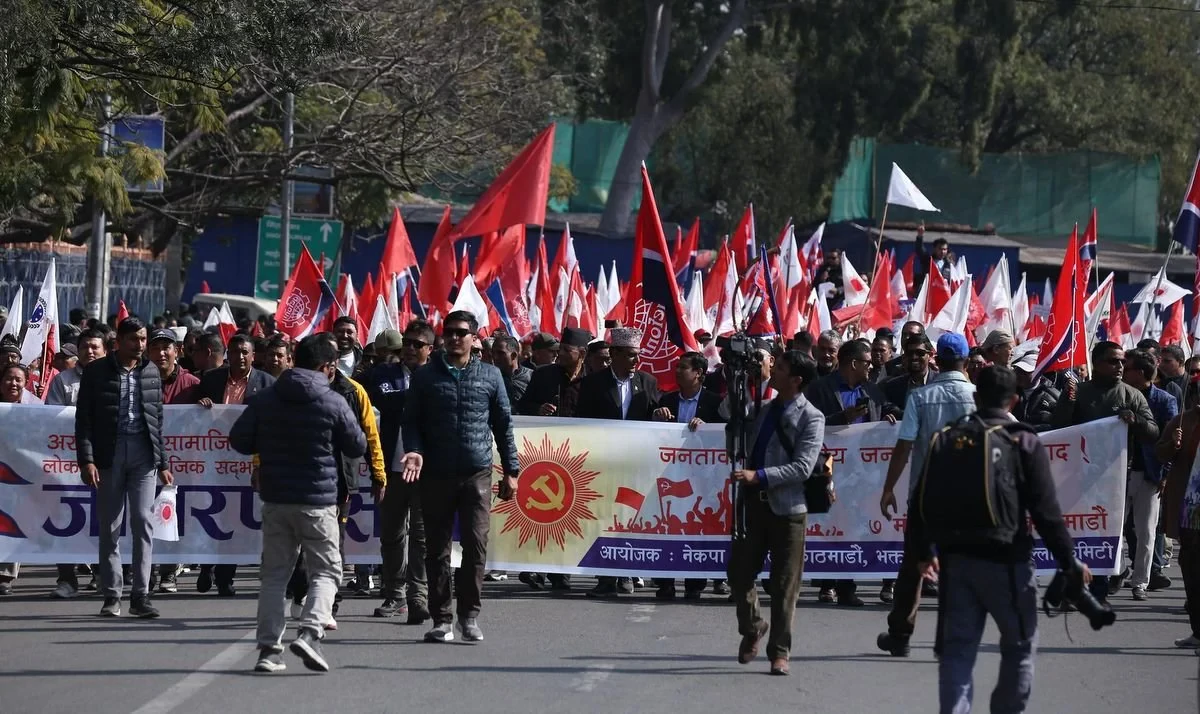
(99, 247)
(285, 210)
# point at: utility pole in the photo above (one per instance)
(99, 252)
(285, 210)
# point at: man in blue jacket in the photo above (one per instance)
(455, 406)
(298, 427)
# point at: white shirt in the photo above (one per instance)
(346, 364)
(625, 392)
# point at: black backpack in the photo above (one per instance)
(968, 493)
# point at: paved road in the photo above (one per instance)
(551, 654)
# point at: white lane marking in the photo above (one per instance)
(640, 613)
(590, 678)
(204, 675)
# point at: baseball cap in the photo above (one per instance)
(69, 350)
(952, 346)
(544, 341)
(163, 333)
(1026, 362)
(388, 341)
(996, 338)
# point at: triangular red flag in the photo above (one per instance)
(438, 273)
(543, 293)
(653, 302)
(940, 290)
(687, 248)
(497, 253)
(743, 243)
(1173, 332)
(517, 196)
(122, 312)
(1065, 345)
(367, 300)
(398, 254)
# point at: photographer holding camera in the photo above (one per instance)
(787, 437)
(984, 474)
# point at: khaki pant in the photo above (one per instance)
(783, 538)
(287, 530)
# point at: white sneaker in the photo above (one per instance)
(1189, 642)
(64, 591)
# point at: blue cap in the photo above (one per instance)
(952, 346)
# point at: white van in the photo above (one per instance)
(240, 305)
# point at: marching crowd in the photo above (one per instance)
(423, 409)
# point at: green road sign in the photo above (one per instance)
(321, 236)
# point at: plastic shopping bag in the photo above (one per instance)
(164, 518)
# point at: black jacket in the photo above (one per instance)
(452, 421)
(550, 384)
(823, 394)
(896, 390)
(299, 427)
(387, 385)
(516, 384)
(1037, 405)
(98, 407)
(1037, 497)
(212, 384)
(708, 409)
(599, 397)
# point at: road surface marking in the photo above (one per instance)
(204, 675)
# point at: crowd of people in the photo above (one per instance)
(423, 409)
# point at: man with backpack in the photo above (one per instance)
(984, 476)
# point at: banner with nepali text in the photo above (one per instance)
(594, 498)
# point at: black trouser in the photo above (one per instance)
(222, 574)
(906, 594)
(442, 498)
(689, 585)
(844, 588)
(402, 543)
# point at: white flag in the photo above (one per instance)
(694, 311)
(958, 271)
(470, 300)
(1165, 294)
(43, 321)
(854, 288)
(920, 307)
(379, 319)
(1020, 310)
(903, 192)
(601, 295)
(789, 260)
(997, 301)
(614, 290)
(16, 315)
(953, 317)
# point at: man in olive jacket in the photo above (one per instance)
(118, 430)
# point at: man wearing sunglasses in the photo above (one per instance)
(455, 407)
(1106, 395)
(401, 527)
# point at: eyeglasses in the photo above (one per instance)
(415, 344)
(1193, 372)
(457, 333)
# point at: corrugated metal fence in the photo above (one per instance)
(136, 279)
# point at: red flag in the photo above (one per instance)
(976, 315)
(674, 489)
(1119, 327)
(881, 305)
(1173, 332)
(743, 244)
(122, 312)
(940, 290)
(204, 289)
(907, 271)
(628, 497)
(305, 301)
(348, 306)
(653, 304)
(686, 250)
(565, 263)
(499, 252)
(367, 301)
(438, 273)
(715, 287)
(1065, 345)
(256, 330)
(518, 195)
(398, 254)
(543, 294)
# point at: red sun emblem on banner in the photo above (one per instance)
(659, 354)
(553, 491)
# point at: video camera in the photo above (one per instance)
(739, 350)
(1067, 589)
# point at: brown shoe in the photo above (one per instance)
(748, 649)
(779, 667)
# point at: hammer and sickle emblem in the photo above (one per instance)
(554, 499)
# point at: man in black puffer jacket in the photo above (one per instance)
(118, 433)
(299, 427)
(455, 406)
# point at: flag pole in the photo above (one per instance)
(1158, 286)
(874, 266)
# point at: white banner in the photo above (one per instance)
(657, 505)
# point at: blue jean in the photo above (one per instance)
(971, 589)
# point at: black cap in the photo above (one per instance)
(575, 337)
(162, 334)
